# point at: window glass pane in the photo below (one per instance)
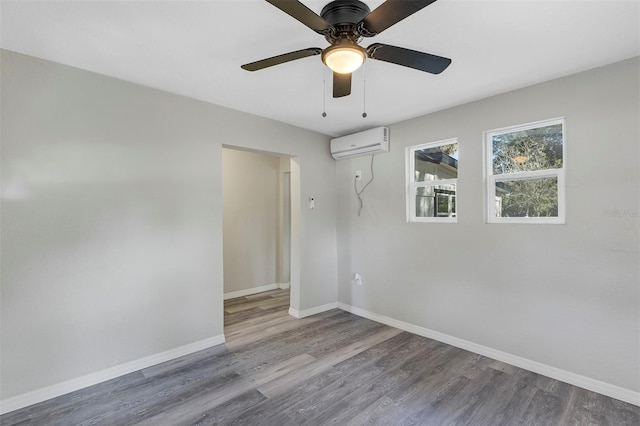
(528, 150)
(527, 198)
(440, 162)
(436, 201)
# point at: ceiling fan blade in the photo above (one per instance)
(302, 13)
(281, 59)
(409, 58)
(389, 13)
(341, 85)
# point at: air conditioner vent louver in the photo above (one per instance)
(369, 142)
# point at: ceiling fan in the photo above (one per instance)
(343, 23)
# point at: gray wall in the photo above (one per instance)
(563, 295)
(250, 198)
(112, 220)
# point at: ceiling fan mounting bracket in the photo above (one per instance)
(344, 12)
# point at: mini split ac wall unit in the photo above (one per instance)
(369, 142)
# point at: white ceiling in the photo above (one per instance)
(195, 49)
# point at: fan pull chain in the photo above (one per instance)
(324, 93)
(364, 91)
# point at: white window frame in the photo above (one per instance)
(412, 185)
(492, 179)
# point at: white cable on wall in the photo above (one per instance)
(359, 193)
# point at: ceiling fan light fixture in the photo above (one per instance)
(344, 57)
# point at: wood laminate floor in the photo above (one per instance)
(334, 368)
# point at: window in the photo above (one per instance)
(525, 173)
(432, 176)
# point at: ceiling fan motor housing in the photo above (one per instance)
(344, 15)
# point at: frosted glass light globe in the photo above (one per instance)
(344, 59)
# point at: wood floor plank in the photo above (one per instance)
(329, 360)
(226, 412)
(623, 414)
(186, 361)
(278, 315)
(260, 303)
(486, 398)
(330, 368)
(346, 399)
(253, 313)
(404, 390)
(266, 330)
(211, 400)
(446, 405)
(267, 294)
(305, 394)
(544, 409)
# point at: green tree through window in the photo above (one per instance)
(526, 164)
(529, 150)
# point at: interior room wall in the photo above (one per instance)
(112, 221)
(566, 296)
(250, 199)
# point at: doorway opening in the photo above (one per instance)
(259, 233)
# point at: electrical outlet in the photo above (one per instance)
(358, 175)
(357, 278)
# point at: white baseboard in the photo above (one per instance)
(312, 311)
(43, 394)
(250, 291)
(285, 286)
(584, 382)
